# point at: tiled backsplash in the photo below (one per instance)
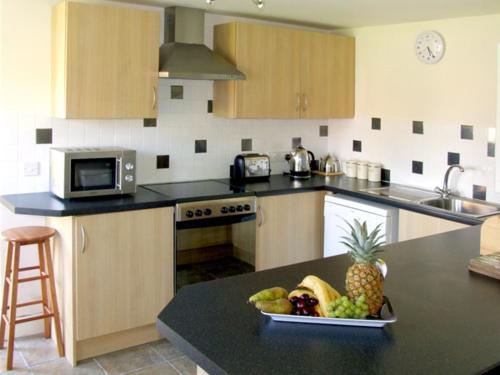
(191, 142)
(416, 157)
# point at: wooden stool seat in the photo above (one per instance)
(17, 237)
(28, 235)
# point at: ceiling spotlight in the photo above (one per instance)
(259, 3)
(209, 2)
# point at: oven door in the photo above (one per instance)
(93, 176)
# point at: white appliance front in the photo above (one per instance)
(339, 209)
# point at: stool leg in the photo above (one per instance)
(5, 298)
(53, 299)
(43, 285)
(13, 308)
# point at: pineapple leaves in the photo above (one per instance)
(364, 246)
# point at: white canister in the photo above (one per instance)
(351, 168)
(374, 172)
(362, 172)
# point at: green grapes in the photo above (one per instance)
(344, 308)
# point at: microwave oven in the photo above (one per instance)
(84, 172)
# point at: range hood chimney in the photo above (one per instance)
(183, 54)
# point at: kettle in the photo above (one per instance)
(332, 165)
(300, 162)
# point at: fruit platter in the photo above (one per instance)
(315, 301)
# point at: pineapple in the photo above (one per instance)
(364, 277)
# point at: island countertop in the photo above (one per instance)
(447, 318)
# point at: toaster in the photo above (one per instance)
(251, 167)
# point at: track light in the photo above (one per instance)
(259, 3)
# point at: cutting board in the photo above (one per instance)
(490, 235)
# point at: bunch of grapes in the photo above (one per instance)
(343, 307)
(304, 305)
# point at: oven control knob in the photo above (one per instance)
(129, 166)
(207, 211)
(224, 210)
(247, 207)
(129, 178)
(189, 213)
(239, 208)
(232, 209)
(198, 212)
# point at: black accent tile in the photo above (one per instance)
(418, 127)
(491, 149)
(466, 132)
(453, 158)
(356, 146)
(417, 167)
(246, 144)
(296, 141)
(162, 161)
(385, 175)
(176, 92)
(210, 106)
(150, 123)
(376, 123)
(43, 136)
(323, 130)
(200, 146)
(479, 192)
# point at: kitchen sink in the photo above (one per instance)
(402, 193)
(462, 206)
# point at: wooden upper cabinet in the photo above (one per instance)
(290, 73)
(104, 61)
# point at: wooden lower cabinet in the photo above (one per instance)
(414, 225)
(115, 274)
(289, 229)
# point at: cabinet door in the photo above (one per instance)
(124, 270)
(327, 78)
(414, 225)
(289, 229)
(112, 57)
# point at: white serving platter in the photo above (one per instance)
(387, 317)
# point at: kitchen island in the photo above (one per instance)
(447, 318)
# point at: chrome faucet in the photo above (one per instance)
(445, 191)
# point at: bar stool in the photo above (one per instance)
(17, 237)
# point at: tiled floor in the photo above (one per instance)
(35, 355)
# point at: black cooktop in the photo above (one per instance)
(197, 190)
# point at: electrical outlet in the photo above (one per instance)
(31, 169)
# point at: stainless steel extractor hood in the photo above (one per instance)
(183, 54)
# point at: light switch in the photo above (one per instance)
(31, 169)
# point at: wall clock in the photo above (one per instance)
(429, 47)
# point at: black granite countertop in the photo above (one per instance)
(447, 318)
(168, 194)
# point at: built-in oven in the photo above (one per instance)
(214, 239)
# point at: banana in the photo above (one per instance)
(324, 292)
(299, 292)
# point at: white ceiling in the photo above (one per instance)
(343, 13)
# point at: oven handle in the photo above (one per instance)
(119, 173)
(260, 212)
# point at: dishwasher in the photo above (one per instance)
(340, 208)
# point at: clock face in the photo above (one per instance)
(429, 47)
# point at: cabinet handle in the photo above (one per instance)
(306, 103)
(84, 239)
(260, 214)
(297, 107)
(154, 98)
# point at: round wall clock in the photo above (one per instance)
(429, 47)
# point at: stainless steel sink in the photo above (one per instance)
(462, 206)
(402, 193)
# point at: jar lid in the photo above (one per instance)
(362, 162)
(375, 165)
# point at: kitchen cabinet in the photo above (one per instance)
(115, 273)
(104, 61)
(291, 73)
(415, 225)
(289, 229)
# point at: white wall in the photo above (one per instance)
(25, 106)
(392, 84)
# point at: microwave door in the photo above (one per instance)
(93, 174)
